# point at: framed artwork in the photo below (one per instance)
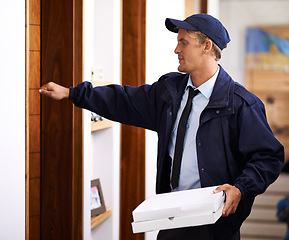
(97, 204)
(267, 48)
(267, 75)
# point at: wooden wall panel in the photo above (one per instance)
(34, 12)
(34, 165)
(34, 230)
(34, 133)
(34, 38)
(34, 69)
(132, 187)
(34, 196)
(34, 102)
(33, 82)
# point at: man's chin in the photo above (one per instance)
(182, 70)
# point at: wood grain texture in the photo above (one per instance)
(203, 6)
(34, 197)
(34, 229)
(57, 146)
(34, 165)
(96, 220)
(34, 38)
(32, 125)
(77, 184)
(132, 187)
(34, 12)
(34, 133)
(34, 70)
(27, 220)
(62, 182)
(34, 102)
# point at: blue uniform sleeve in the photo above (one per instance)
(262, 153)
(125, 104)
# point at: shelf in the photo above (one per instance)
(95, 221)
(95, 126)
(100, 83)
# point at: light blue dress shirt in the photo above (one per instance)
(189, 173)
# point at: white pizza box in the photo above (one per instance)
(178, 209)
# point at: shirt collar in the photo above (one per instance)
(207, 87)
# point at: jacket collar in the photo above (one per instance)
(221, 95)
(177, 84)
(223, 91)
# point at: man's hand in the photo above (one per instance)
(233, 197)
(54, 91)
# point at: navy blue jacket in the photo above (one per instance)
(235, 144)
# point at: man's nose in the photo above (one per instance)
(177, 49)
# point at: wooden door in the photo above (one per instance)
(61, 122)
(54, 159)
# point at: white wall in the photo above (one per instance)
(160, 59)
(237, 15)
(12, 120)
(101, 148)
(214, 8)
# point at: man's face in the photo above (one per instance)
(189, 52)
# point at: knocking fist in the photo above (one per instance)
(54, 91)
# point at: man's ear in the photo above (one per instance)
(208, 45)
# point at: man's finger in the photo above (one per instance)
(45, 92)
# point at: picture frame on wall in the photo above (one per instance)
(97, 204)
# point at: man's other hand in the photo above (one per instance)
(233, 197)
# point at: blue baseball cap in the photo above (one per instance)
(203, 23)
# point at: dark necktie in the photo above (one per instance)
(180, 138)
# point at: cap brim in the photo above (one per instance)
(173, 25)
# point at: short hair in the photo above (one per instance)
(201, 38)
